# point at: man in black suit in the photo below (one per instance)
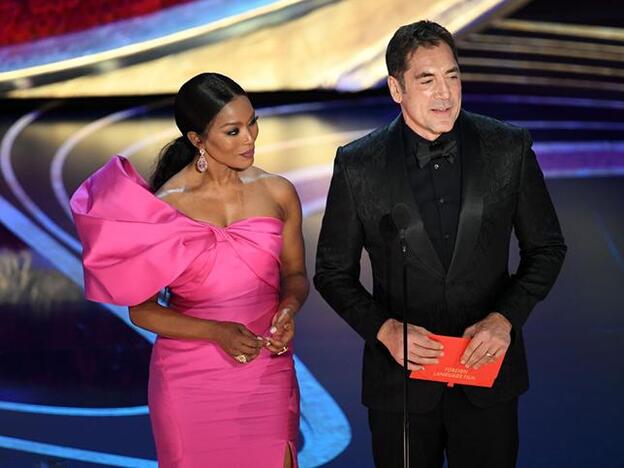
(469, 181)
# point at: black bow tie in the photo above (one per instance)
(436, 150)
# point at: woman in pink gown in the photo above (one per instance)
(225, 238)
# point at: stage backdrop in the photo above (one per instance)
(119, 47)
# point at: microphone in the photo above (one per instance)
(401, 218)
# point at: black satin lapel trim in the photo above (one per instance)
(471, 212)
(418, 241)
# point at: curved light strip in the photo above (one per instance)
(137, 146)
(144, 46)
(16, 187)
(613, 165)
(580, 147)
(544, 100)
(58, 161)
(72, 453)
(568, 125)
(543, 66)
(542, 81)
(582, 30)
(584, 173)
(506, 98)
(73, 411)
(550, 44)
(40, 241)
(521, 48)
(313, 140)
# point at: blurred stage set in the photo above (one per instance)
(81, 81)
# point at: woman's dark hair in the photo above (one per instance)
(410, 37)
(198, 101)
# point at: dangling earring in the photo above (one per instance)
(201, 163)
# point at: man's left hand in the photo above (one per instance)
(490, 339)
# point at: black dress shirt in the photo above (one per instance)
(436, 187)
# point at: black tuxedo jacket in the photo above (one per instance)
(503, 190)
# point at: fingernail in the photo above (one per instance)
(442, 353)
(259, 338)
(273, 330)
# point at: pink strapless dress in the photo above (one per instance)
(207, 410)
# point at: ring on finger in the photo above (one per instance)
(241, 358)
(282, 351)
(490, 355)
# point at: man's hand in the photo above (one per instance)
(421, 350)
(490, 339)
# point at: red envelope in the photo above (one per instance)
(451, 371)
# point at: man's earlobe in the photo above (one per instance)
(395, 89)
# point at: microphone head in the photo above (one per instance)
(401, 216)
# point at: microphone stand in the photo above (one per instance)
(406, 462)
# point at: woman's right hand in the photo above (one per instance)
(236, 340)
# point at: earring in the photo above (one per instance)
(201, 163)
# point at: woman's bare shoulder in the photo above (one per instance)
(280, 190)
(276, 184)
(172, 190)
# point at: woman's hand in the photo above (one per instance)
(236, 340)
(282, 330)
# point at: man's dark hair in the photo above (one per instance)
(410, 37)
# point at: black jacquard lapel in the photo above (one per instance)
(472, 196)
